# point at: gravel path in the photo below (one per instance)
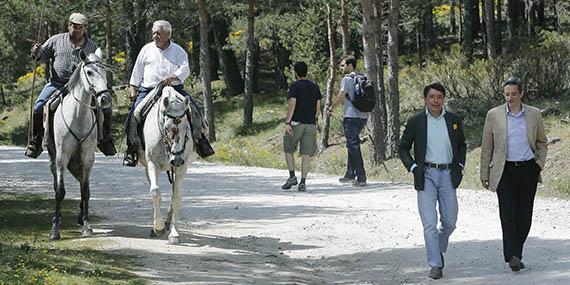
(237, 226)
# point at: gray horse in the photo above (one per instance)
(74, 139)
(168, 147)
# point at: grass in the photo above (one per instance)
(27, 257)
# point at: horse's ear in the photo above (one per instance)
(99, 53)
(82, 55)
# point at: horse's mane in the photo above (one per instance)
(75, 77)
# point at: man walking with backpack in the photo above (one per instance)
(353, 122)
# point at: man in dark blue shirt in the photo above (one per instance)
(304, 103)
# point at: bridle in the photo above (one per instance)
(94, 95)
(166, 139)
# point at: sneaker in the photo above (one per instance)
(346, 180)
(289, 183)
(302, 187)
(436, 273)
(359, 183)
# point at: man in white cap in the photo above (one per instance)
(61, 53)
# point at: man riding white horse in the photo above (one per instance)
(61, 53)
(159, 61)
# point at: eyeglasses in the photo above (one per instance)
(77, 26)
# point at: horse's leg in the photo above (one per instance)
(59, 195)
(84, 172)
(158, 223)
(174, 237)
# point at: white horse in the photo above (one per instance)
(74, 138)
(168, 147)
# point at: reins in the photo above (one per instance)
(94, 96)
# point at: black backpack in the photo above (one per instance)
(364, 95)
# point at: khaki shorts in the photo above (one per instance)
(306, 135)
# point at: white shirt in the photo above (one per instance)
(154, 64)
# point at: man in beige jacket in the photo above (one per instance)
(513, 153)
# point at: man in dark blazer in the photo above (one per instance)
(437, 164)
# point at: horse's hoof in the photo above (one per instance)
(80, 219)
(155, 234)
(54, 236)
(173, 240)
(87, 232)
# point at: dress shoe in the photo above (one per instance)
(436, 273)
(515, 264)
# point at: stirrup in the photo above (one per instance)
(130, 160)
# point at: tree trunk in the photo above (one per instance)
(228, 60)
(476, 28)
(194, 53)
(282, 60)
(510, 25)
(248, 106)
(344, 27)
(490, 26)
(380, 67)
(393, 73)
(468, 30)
(499, 28)
(136, 32)
(109, 32)
(369, 31)
(331, 80)
(452, 5)
(557, 18)
(2, 94)
(529, 13)
(205, 70)
(429, 36)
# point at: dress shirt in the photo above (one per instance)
(438, 149)
(154, 64)
(518, 148)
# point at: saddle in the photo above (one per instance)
(201, 143)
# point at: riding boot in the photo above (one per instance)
(106, 144)
(131, 158)
(35, 148)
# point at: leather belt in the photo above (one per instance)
(521, 163)
(440, 166)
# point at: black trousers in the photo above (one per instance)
(516, 192)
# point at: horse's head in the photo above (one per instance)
(176, 128)
(93, 77)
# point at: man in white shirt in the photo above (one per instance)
(159, 61)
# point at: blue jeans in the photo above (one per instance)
(46, 92)
(438, 189)
(144, 91)
(355, 164)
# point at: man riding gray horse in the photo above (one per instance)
(61, 53)
(160, 61)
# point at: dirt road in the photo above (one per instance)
(238, 227)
